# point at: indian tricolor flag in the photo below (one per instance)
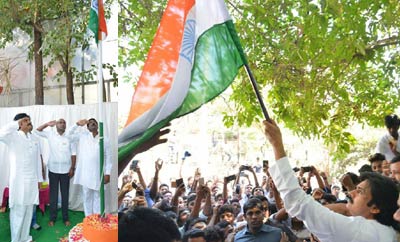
(97, 21)
(194, 56)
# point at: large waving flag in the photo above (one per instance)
(97, 21)
(194, 56)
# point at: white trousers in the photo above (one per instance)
(20, 223)
(91, 201)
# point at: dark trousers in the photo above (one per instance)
(55, 180)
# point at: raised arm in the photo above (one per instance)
(179, 191)
(318, 177)
(153, 141)
(140, 176)
(7, 130)
(325, 224)
(255, 176)
(201, 193)
(45, 125)
(74, 133)
(196, 178)
(154, 184)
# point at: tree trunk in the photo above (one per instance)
(69, 82)
(70, 86)
(38, 57)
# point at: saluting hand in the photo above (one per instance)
(51, 123)
(82, 122)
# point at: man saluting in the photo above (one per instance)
(24, 175)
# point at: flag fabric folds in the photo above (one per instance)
(194, 56)
(97, 21)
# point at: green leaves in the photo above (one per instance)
(321, 65)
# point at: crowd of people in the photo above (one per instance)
(27, 169)
(278, 203)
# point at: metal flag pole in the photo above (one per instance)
(255, 87)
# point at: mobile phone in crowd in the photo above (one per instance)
(201, 181)
(265, 164)
(306, 168)
(139, 192)
(230, 178)
(246, 167)
(134, 165)
(179, 181)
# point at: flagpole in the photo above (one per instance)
(101, 118)
(256, 90)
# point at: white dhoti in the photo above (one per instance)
(20, 223)
(91, 201)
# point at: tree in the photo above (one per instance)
(58, 29)
(65, 36)
(29, 16)
(321, 65)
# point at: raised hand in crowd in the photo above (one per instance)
(317, 175)
(317, 194)
(250, 169)
(202, 192)
(180, 191)
(139, 201)
(347, 182)
(140, 176)
(159, 163)
(214, 218)
(197, 175)
(154, 185)
(153, 141)
(127, 187)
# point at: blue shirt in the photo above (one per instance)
(265, 234)
(149, 201)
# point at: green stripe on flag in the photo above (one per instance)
(94, 24)
(218, 57)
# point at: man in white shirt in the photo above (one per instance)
(41, 170)
(61, 166)
(88, 164)
(24, 175)
(372, 204)
(388, 144)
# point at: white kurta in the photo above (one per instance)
(327, 225)
(25, 173)
(88, 158)
(60, 151)
(23, 158)
(383, 147)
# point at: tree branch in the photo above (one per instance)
(394, 40)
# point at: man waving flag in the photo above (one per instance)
(194, 56)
